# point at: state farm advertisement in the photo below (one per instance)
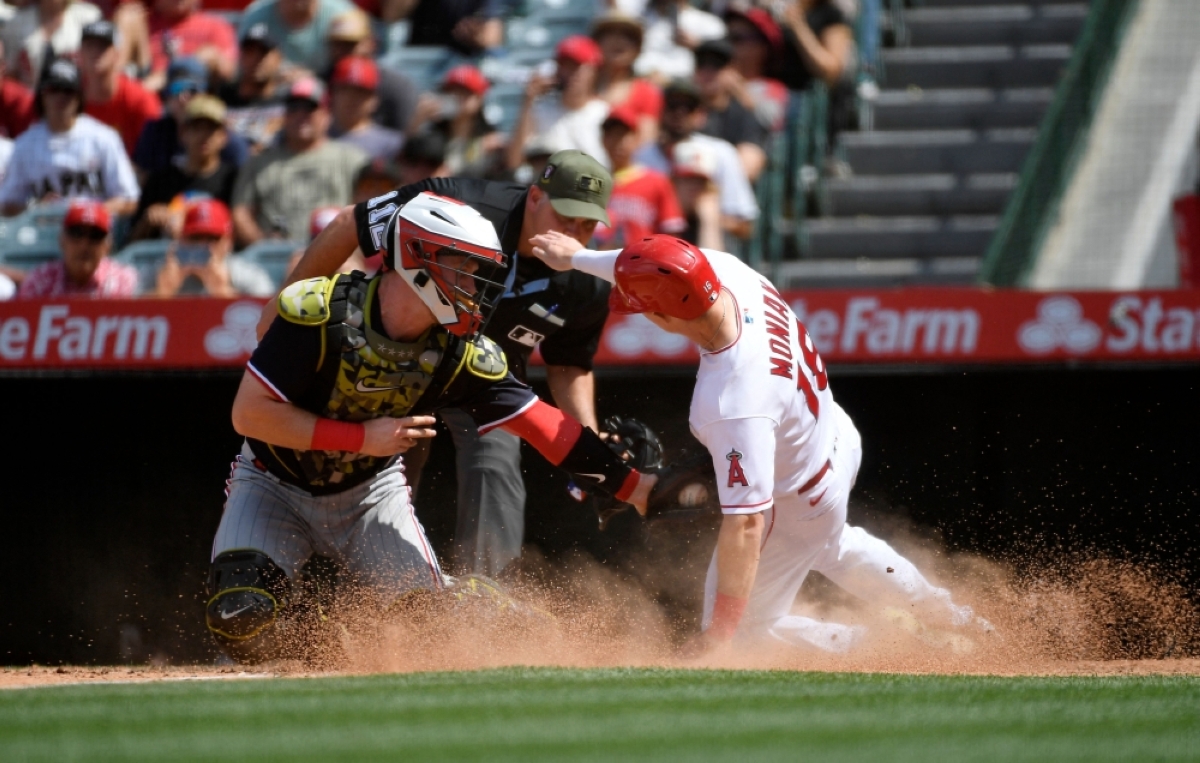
(959, 326)
(922, 326)
(127, 334)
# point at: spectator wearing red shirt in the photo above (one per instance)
(85, 269)
(643, 201)
(178, 29)
(16, 102)
(620, 41)
(109, 96)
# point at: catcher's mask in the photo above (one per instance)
(450, 255)
(663, 274)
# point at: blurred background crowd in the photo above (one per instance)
(195, 146)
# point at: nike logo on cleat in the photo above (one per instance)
(234, 613)
(815, 501)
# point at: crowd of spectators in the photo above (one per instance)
(216, 125)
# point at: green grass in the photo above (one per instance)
(547, 714)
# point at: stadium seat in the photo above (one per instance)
(147, 257)
(27, 258)
(275, 257)
(585, 8)
(546, 29)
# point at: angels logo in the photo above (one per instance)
(736, 475)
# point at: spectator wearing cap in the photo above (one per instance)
(199, 262)
(693, 172)
(277, 189)
(299, 27)
(643, 201)
(42, 30)
(473, 147)
(722, 88)
(355, 86)
(255, 98)
(683, 116)
(673, 29)
(16, 102)
(202, 173)
(562, 110)
(423, 157)
(818, 44)
(469, 27)
(620, 40)
(67, 154)
(350, 35)
(108, 95)
(161, 143)
(756, 48)
(85, 269)
(178, 29)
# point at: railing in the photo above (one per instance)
(1051, 161)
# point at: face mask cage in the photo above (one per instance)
(470, 279)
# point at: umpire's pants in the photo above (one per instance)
(491, 496)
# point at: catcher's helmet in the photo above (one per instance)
(664, 274)
(450, 255)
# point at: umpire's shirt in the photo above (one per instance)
(563, 312)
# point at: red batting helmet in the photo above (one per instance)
(664, 274)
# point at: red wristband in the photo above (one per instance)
(628, 486)
(338, 435)
(727, 613)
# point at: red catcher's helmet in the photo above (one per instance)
(664, 274)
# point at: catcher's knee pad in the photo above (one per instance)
(246, 592)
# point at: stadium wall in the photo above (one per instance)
(116, 486)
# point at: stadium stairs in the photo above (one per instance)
(957, 112)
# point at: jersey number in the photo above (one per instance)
(816, 366)
(378, 229)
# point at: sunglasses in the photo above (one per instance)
(95, 235)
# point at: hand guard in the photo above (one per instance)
(685, 489)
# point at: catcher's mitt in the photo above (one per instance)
(636, 444)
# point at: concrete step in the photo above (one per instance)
(998, 66)
(869, 273)
(892, 152)
(931, 194)
(897, 237)
(975, 108)
(995, 24)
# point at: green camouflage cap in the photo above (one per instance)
(578, 185)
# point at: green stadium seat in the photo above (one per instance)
(147, 257)
(275, 257)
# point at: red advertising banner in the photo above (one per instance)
(924, 326)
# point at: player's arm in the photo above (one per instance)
(561, 252)
(574, 391)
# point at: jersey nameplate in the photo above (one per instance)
(306, 302)
(486, 360)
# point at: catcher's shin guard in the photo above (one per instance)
(247, 592)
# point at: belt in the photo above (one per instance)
(815, 479)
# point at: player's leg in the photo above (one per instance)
(260, 545)
(374, 533)
(491, 496)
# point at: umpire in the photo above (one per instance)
(563, 313)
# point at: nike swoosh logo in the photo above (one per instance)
(597, 477)
(815, 501)
(364, 388)
(234, 613)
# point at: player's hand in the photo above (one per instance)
(555, 249)
(387, 437)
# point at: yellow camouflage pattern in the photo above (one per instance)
(486, 360)
(306, 302)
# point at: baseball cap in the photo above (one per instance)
(62, 74)
(618, 22)
(87, 212)
(102, 30)
(428, 148)
(690, 159)
(204, 107)
(580, 49)
(578, 185)
(206, 217)
(466, 76)
(763, 23)
(683, 88)
(186, 74)
(624, 115)
(351, 26)
(718, 50)
(356, 71)
(259, 34)
(307, 89)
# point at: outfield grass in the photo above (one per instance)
(547, 714)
